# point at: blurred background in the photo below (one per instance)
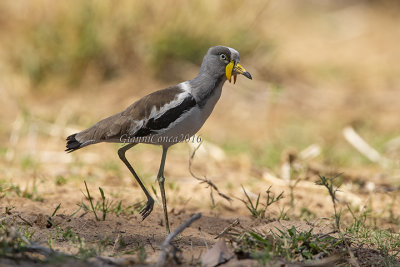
(318, 67)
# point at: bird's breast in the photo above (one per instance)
(210, 103)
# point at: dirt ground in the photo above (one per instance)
(27, 204)
(127, 234)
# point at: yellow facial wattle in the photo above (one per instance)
(228, 70)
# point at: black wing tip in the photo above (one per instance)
(72, 144)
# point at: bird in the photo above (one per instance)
(165, 116)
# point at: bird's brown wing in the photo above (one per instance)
(148, 115)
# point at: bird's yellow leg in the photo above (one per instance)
(161, 179)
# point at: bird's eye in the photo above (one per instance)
(222, 57)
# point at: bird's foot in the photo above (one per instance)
(147, 209)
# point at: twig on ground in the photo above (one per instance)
(120, 261)
(47, 252)
(205, 180)
(328, 261)
(353, 260)
(151, 245)
(362, 146)
(203, 237)
(167, 242)
(116, 243)
(228, 228)
(24, 220)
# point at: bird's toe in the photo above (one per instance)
(147, 209)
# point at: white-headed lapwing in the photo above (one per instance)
(165, 116)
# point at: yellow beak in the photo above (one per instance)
(234, 69)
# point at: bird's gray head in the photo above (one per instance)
(223, 61)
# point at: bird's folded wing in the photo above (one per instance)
(152, 114)
(155, 113)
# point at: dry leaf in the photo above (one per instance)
(218, 254)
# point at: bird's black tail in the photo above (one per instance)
(72, 144)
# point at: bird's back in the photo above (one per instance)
(152, 114)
